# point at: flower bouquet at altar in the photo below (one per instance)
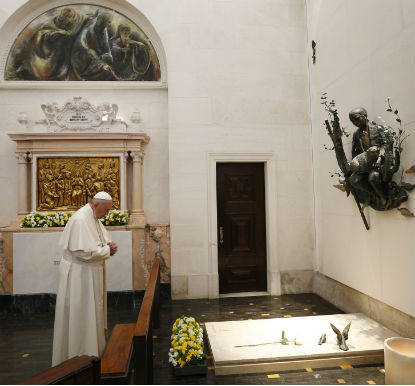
(45, 220)
(187, 347)
(60, 219)
(115, 218)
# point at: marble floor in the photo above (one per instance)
(26, 340)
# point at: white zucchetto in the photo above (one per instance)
(103, 196)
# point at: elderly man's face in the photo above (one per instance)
(124, 35)
(358, 119)
(101, 208)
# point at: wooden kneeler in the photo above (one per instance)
(115, 362)
(80, 370)
(128, 357)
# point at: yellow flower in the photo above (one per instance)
(66, 218)
(50, 223)
(106, 222)
(57, 221)
(29, 223)
(184, 329)
(118, 219)
(111, 219)
(37, 218)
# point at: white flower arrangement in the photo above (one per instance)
(114, 218)
(45, 220)
(60, 219)
(187, 346)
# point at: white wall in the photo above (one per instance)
(237, 83)
(365, 53)
(151, 103)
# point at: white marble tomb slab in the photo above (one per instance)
(259, 354)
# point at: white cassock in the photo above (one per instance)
(80, 313)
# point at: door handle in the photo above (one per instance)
(221, 235)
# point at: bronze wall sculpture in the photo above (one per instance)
(376, 152)
(82, 42)
(68, 183)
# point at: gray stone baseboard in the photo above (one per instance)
(33, 303)
(296, 282)
(350, 300)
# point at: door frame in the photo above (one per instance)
(268, 159)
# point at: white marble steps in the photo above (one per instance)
(260, 354)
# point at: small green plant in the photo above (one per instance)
(284, 340)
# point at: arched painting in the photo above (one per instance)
(82, 43)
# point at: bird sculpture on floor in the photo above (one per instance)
(342, 336)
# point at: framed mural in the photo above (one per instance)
(82, 42)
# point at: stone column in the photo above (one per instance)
(137, 213)
(23, 196)
(137, 219)
(124, 189)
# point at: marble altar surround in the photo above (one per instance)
(128, 146)
(31, 254)
(37, 256)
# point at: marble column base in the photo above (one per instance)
(137, 219)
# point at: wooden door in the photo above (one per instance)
(241, 227)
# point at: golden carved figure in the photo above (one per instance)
(67, 183)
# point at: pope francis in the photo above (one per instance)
(81, 314)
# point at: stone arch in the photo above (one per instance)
(33, 9)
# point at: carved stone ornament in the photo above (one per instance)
(23, 157)
(137, 156)
(79, 115)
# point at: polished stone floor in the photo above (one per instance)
(26, 340)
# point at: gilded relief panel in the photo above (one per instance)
(68, 183)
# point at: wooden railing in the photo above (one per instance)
(129, 352)
(82, 370)
(143, 333)
(131, 345)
